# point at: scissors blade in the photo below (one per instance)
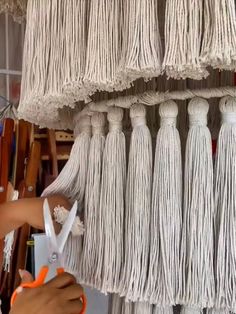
(49, 228)
(64, 234)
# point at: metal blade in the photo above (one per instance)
(64, 234)
(49, 228)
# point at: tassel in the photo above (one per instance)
(215, 311)
(104, 45)
(138, 205)
(222, 51)
(191, 310)
(225, 202)
(166, 214)
(142, 308)
(183, 38)
(76, 25)
(197, 286)
(111, 211)
(71, 181)
(141, 47)
(91, 253)
(115, 304)
(163, 310)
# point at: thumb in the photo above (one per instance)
(25, 276)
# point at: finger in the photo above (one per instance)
(74, 307)
(61, 281)
(25, 276)
(73, 292)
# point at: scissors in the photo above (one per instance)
(55, 247)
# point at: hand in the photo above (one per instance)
(61, 295)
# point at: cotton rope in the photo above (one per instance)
(225, 200)
(141, 47)
(111, 211)
(166, 212)
(72, 179)
(197, 286)
(152, 98)
(90, 254)
(137, 208)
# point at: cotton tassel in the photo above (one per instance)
(183, 38)
(141, 48)
(163, 310)
(225, 202)
(111, 210)
(215, 311)
(222, 51)
(115, 304)
(197, 286)
(137, 210)
(76, 12)
(72, 179)
(191, 310)
(91, 253)
(142, 308)
(8, 242)
(166, 214)
(43, 73)
(103, 51)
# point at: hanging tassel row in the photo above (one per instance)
(77, 47)
(142, 241)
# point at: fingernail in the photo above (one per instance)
(21, 273)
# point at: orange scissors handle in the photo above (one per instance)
(40, 281)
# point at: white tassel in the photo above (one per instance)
(197, 286)
(162, 310)
(72, 179)
(138, 207)
(115, 305)
(215, 311)
(111, 211)
(91, 251)
(183, 38)
(225, 204)
(191, 310)
(141, 48)
(75, 32)
(8, 242)
(142, 308)
(104, 45)
(222, 51)
(166, 215)
(127, 307)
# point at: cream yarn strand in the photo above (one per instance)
(225, 204)
(91, 252)
(138, 207)
(72, 179)
(166, 214)
(197, 286)
(111, 211)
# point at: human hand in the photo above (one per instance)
(61, 295)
